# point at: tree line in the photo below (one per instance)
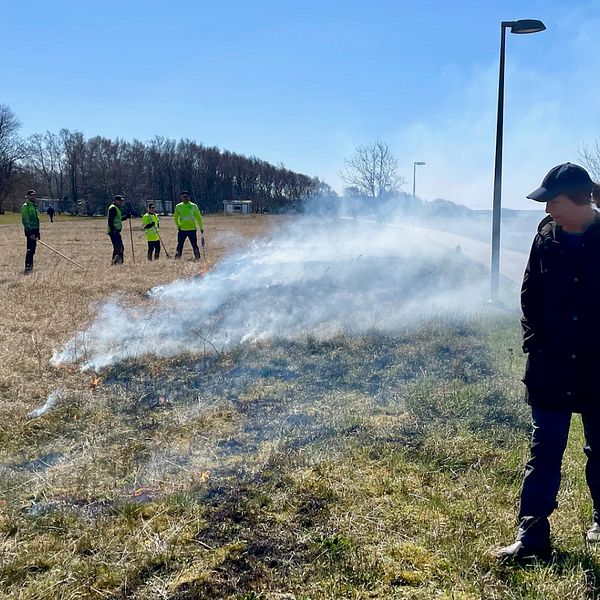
(84, 173)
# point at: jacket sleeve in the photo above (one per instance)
(531, 302)
(176, 217)
(111, 219)
(25, 218)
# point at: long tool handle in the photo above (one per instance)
(60, 254)
(131, 236)
(163, 244)
(204, 253)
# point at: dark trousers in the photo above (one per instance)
(31, 246)
(118, 249)
(542, 472)
(153, 247)
(181, 237)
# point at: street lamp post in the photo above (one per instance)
(415, 175)
(521, 26)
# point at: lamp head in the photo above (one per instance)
(523, 26)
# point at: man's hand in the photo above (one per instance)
(34, 236)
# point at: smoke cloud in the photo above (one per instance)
(51, 401)
(315, 276)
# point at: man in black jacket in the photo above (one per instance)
(561, 333)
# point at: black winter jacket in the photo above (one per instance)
(560, 297)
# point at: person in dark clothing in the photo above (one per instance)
(31, 225)
(50, 213)
(561, 332)
(115, 224)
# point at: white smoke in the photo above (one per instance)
(53, 398)
(315, 276)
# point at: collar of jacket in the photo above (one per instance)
(550, 232)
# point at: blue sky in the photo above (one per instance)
(304, 82)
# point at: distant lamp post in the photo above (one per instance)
(521, 26)
(415, 175)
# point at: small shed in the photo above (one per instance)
(237, 207)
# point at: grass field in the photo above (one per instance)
(11, 218)
(370, 466)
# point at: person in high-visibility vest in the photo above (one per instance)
(115, 224)
(31, 224)
(186, 215)
(150, 224)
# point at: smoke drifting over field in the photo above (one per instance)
(51, 401)
(313, 277)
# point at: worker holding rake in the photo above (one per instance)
(31, 224)
(150, 223)
(115, 224)
(186, 215)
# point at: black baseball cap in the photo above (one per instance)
(563, 179)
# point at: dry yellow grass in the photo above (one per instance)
(43, 309)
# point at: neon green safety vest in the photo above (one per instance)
(151, 232)
(30, 217)
(117, 221)
(186, 216)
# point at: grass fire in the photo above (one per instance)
(331, 410)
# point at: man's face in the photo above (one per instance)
(151, 209)
(185, 198)
(32, 197)
(120, 202)
(562, 209)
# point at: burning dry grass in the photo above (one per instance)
(373, 466)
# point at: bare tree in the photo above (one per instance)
(88, 172)
(11, 151)
(45, 159)
(590, 158)
(373, 171)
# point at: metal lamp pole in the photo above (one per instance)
(415, 175)
(521, 26)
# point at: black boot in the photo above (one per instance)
(533, 542)
(593, 533)
(521, 552)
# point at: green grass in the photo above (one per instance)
(361, 467)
